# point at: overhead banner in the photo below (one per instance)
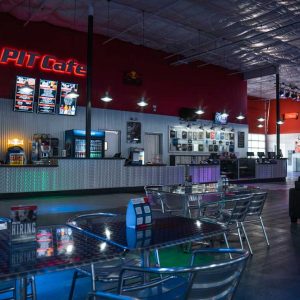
(24, 95)
(47, 96)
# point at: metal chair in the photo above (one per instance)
(102, 272)
(8, 289)
(232, 218)
(153, 196)
(255, 211)
(217, 280)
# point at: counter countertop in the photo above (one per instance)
(82, 158)
(158, 165)
(28, 166)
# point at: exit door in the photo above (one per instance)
(153, 148)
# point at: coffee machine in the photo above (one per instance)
(43, 146)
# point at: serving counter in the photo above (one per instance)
(94, 175)
(85, 174)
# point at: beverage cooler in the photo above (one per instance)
(75, 143)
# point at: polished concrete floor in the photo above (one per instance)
(271, 273)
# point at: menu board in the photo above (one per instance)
(24, 95)
(67, 104)
(47, 97)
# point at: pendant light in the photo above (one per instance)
(26, 89)
(280, 122)
(225, 114)
(240, 116)
(199, 111)
(72, 94)
(143, 102)
(260, 119)
(106, 97)
(260, 125)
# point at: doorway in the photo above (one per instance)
(153, 148)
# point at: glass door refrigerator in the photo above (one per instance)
(75, 143)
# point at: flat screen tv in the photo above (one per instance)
(220, 118)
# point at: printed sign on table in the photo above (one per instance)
(24, 95)
(138, 213)
(23, 223)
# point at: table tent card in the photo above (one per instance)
(138, 213)
(23, 223)
(138, 238)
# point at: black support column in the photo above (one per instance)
(277, 116)
(89, 81)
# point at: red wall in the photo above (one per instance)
(257, 108)
(170, 88)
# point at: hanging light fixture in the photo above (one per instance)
(260, 125)
(225, 114)
(240, 116)
(260, 119)
(143, 102)
(106, 97)
(72, 94)
(26, 89)
(199, 111)
(280, 122)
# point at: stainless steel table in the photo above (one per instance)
(165, 231)
(200, 190)
(22, 260)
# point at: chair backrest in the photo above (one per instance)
(239, 209)
(8, 289)
(154, 196)
(216, 280)
(173, 202)
(257, 204)
(219, 280)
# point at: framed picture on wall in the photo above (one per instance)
(172, 134)
(190, 135)
(184, 135)
(210, 148)
(134, 132)
(200, 147)
(195, 136)
(201, 135)
(207, 134)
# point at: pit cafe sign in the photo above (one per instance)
(45, 62)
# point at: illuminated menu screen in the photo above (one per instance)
(47, 97)
(68, 99)
(24, 96)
